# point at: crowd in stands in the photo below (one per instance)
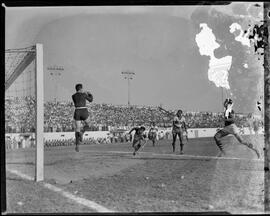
(58, 116)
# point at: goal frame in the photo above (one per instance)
(34, 55)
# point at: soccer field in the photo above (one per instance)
(155, 180)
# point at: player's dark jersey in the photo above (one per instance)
(230, 119)
(79, 99)
(138, 131)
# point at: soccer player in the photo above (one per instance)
(81, 113)
(230, 128)
(179, 127)
(138, 137)
(152, 134)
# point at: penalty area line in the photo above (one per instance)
(82, 201)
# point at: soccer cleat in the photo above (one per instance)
(181, 152)
(77, 148)
(134, 153)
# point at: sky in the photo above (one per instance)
(95, 44)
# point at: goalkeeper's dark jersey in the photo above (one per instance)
(79, 99)
(230, 119)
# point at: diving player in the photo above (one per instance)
(81, 113)
(179, 127)
(230, 128)
(138, 137)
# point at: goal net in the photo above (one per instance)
(24, 102)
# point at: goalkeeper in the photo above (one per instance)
(81, 113)
(230, 128)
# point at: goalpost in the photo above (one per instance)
(24, 94)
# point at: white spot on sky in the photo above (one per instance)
(218, 68)
(242, 37)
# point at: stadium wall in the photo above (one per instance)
(192, 133)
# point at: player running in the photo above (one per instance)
(152, 134)
(138, 137)
(81, 113)
(179, 127)
(230, 128)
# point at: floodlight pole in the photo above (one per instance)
(129, 76)
(55, 72)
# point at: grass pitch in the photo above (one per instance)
(155, 180)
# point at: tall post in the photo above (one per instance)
(266, 107)
(39, 169)
(128, 76)
(55, 73)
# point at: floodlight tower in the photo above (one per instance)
(55, 72)
(128, 75)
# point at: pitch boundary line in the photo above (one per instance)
(179, 156)
(82, 201)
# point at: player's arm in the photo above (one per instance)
(88, 96)
(185, 125)
(132, 130)
(73, 98)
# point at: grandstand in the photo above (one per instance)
(59, 116)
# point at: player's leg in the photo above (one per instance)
(85, 119)
(217, 137)
(83, 116)
(233, 129)
(154, 139)
(248, 144)
(77, 134)
(174, 140)
(136, 145)
(180, 135)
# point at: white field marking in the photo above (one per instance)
(179, 156)
(90, 204)
(27, 177)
